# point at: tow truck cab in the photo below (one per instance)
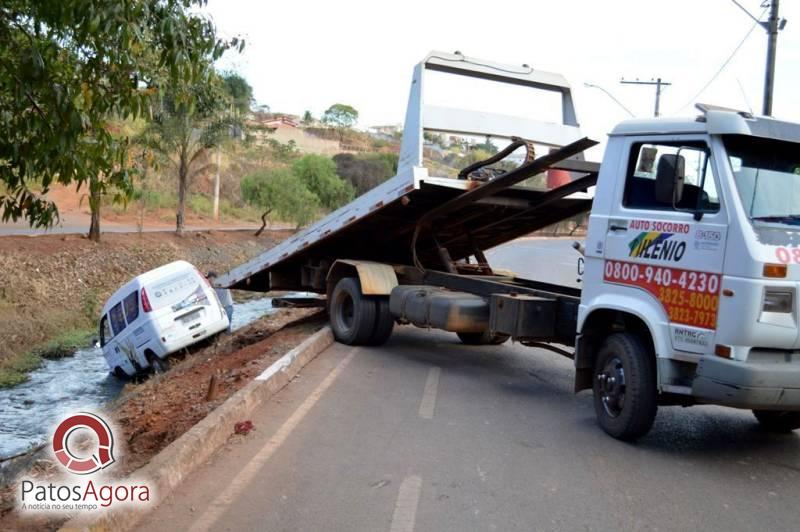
(693, 244)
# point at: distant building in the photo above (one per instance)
(390, 130)
(279, 122)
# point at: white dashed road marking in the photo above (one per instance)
(428, 404)
(405, 511)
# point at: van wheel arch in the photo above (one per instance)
(157, 365)
(598, 326)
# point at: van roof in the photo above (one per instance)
(145, 279)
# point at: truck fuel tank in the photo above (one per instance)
(427, 306)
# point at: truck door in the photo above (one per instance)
(669, 242)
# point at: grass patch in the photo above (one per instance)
(201, 205)
(204, 206)
(16, 368)
(65, 344)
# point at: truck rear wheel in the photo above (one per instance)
(778, 420)
(625, 387)
(384, 322)
(482, 338)
(352, 315)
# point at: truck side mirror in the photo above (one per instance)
(669, 178)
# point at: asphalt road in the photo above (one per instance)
(544, 259)
(427, 434)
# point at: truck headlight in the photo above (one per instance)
(777, 301)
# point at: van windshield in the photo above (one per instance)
(767, 176)
(178, 291)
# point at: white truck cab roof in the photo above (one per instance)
(713, 121)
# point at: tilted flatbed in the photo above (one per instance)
(458, 217)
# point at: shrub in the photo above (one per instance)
(366, 171)
(280, 192)
(318, 173)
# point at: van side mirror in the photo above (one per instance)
(669, 178)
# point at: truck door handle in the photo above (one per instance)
(616, 228)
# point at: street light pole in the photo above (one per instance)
(773, 25)
(593, 86)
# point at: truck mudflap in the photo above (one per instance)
(755, 385)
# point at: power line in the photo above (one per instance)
(724, 64)
(658, 84)
(740, 6)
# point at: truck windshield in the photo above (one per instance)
(767, 176)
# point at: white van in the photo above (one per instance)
(158, 313)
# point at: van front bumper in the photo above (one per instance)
(773, 385)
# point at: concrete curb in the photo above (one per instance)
(167, 469)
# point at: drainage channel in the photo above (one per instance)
(69, 384)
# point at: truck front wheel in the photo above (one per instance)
(625, 387)
(352, 315)
(777, 420)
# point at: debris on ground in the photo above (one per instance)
(243, 427)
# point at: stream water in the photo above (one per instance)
(75, 383)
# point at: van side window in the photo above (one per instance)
(105, 331)
(117, 318)
(131, 304)
(699, 188)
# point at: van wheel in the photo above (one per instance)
(777, 420)
(625, 387)
(120, 373)
(384, 322)
(482, 338)
(352, 315)
(157, 366)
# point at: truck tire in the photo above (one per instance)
(384, 322)
(352, 315)
(778, 420)
(625, 387)
(482, 338)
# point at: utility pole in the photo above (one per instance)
(658, 83)
(216, 187)
(773, 25)
(772, 45)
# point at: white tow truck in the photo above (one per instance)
(692, 254)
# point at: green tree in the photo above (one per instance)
(69, 67)
(281, 192)
(340, 116)
(365, 171)
(239, 91)
(183, 130)
(318, 173)
(308, 118)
